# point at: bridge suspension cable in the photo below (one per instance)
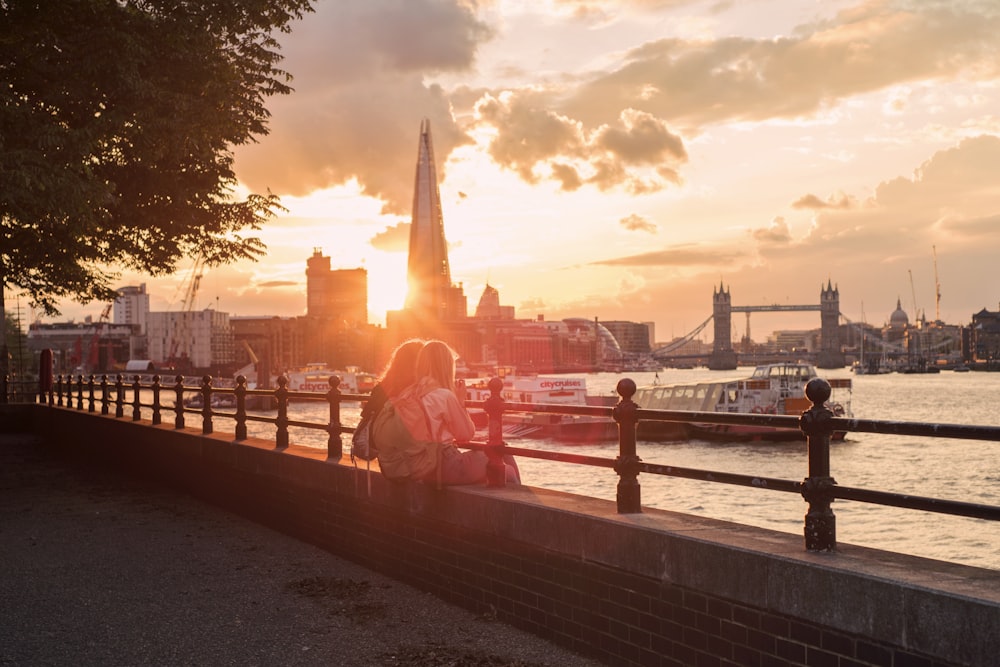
(680, 342)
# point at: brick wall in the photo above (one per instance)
(649, 589)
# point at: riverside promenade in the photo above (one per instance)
(103, 569)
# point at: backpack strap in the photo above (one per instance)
(434, 439)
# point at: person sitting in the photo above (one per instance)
(448, 420)
(399, 373)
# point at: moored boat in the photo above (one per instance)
(316, 377)
(549, 390)
(219, 400)
(772, 389)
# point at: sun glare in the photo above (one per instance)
(386, 285)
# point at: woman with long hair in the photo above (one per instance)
(399, 373)
(448, 420)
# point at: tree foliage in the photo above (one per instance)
(118, 120)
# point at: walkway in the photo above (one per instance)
(97, 569)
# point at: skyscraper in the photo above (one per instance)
(431, 297)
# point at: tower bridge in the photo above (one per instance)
(723, 356)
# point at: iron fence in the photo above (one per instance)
(818, 424)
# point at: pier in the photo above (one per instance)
(616, 582)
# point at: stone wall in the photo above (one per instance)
(644, 589)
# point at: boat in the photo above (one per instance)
(316, 377)
(872, 367)
(549, 390)
(772, 389)
(219, 400)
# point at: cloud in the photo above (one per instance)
(678, 256)
(811, 201)
(363, 72)
(359, 69)
(533, 304)
(637, 151)
(948, 203)
(637, 223)
(875, 45)
(393, 239)
(277, 283)
(774, 234)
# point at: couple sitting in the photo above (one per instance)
(420, 383)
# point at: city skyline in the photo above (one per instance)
(620, 160)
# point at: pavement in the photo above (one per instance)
(100, 569)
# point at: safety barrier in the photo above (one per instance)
(818, 423)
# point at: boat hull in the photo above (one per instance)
(589, 430)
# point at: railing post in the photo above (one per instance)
(136, 412)
(494, 406)
(627, 463)
(45, 376)
(281, 421)
(206, 404)
(156, 400)
(816, 424)
(119, 396)
(241, 407)
(334, 445)
(90, 393)
(179, 402)
(105, 401)
(59, 390)
(79, 392)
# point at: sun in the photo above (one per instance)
(386, 285)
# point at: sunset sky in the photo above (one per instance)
(621, 159)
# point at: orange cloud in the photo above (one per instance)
(393, 239)
(875, 45)
(637, 223)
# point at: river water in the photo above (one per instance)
(943, 468)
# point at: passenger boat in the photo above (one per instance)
(549, 390)
(772, 389)
(223, 401)
(316, 377)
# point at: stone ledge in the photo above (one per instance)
(928, 606)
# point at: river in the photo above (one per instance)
(953, 469)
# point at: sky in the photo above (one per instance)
(623, 159)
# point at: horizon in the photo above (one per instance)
(620, 160)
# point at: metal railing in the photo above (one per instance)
(819, 489)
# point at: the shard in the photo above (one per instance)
(431, 295)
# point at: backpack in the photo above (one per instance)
(362, 444)
(402, 454)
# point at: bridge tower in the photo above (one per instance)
(830, 354)
(723, 356)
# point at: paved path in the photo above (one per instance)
(97, 569)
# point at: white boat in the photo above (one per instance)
(316, 377)
(772, 389)
(548, 390)
(219, 400)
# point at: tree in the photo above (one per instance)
(118, 120)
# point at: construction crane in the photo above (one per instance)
(177, 357)
(94, 350)
(937, 289)
(916, 312)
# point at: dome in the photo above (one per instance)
(607, 339)
(899, 319)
